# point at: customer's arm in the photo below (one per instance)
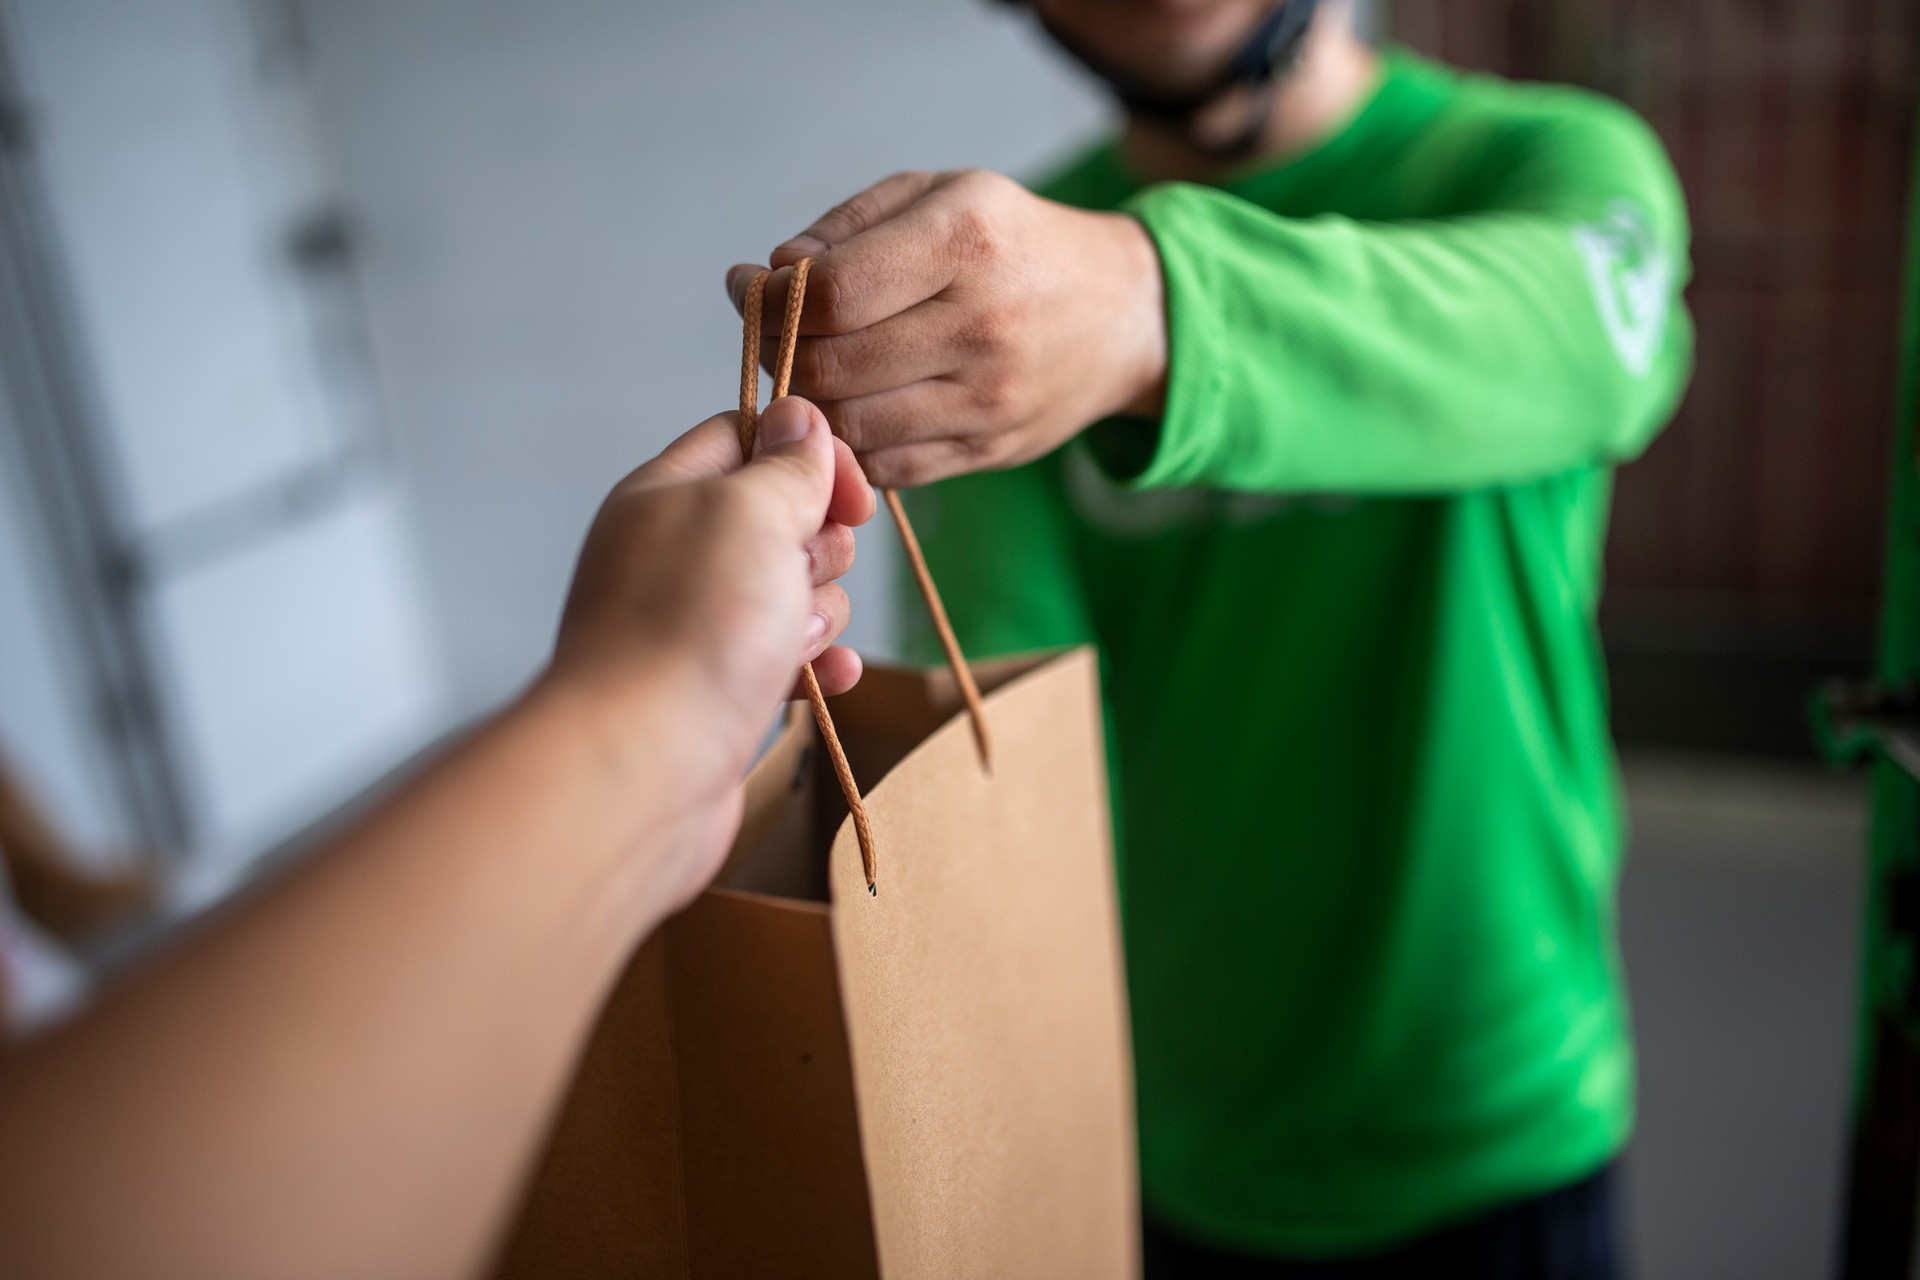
(348, 1075)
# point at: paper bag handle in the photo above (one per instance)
(749, 435)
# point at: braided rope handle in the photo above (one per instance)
(949, 643)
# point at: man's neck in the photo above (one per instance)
(1308, 105)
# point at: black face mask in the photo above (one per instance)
(1270, 51)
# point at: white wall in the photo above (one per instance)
(548, 195)
(169, 213)
(291, 652)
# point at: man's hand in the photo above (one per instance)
(956, 322)
(702, 587)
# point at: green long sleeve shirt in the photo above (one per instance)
(1343, 594)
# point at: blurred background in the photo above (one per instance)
(325, 324)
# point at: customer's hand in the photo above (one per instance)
(957, 322)
(351, 1071)
(702, 587)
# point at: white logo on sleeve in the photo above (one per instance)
(1632, 279)
(1122, 513)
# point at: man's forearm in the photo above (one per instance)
(345, 1076)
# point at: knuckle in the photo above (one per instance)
(979, 215)
(910, 470)
(819, 367)
(990, 330)
(854, 211)
(980, 183)
(882, 470)
(994, 394)
(973, 231)
(981, 451)
(867, 428)
(976, 336)
(830, 300)
(847, 422)
(848, 213)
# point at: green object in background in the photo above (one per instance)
(1884, 720)
(1344, 597)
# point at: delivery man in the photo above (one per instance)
(1301, 399)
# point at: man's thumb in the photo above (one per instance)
(885, 199)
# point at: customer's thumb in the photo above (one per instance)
(794, 463)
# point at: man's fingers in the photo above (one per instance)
(932, 409)
(814, 474)
(909, 466)
(875, 275)
(739, 277)
(827, 308)
(926, 340)
(883, 200)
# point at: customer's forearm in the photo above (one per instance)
(345, 1076)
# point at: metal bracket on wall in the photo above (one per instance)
(109, 568)
(41, 376)
(1853, 719)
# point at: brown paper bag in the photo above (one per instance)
(794, 1079)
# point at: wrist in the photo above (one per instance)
(635, 728)
(624, 716)
(646, 775)
(1140, 327)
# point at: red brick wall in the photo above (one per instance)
(1791, 123)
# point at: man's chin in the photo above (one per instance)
(1169, 47)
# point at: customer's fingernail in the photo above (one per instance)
(816, 629)
(785, 421)
(803, 247)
